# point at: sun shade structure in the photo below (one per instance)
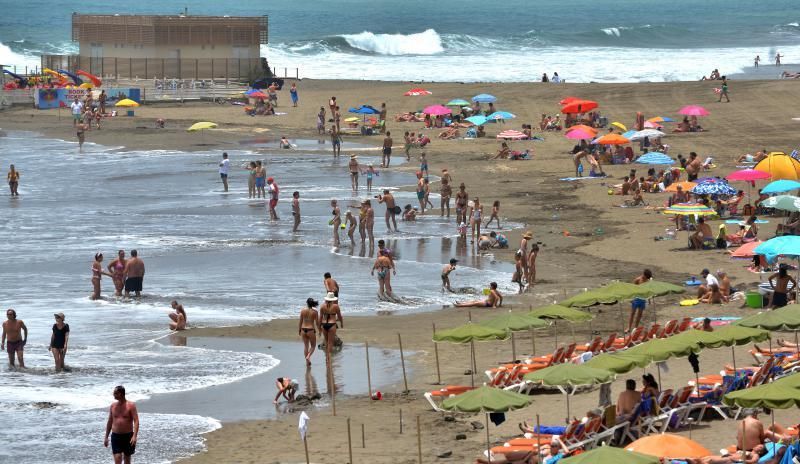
(127, 103)
(746, 251)
(685, 186)
(583, 127)
(561, 312)
(780, 166)
(579, 106)
(511, 135)
(646, 133)
(364, 109)
(470, 333)
(417, 92)
(619, 126)
(514, 322)
(713, 186)
(610, 454)
(748, 175)
(619, 363)
(783, 202)
(788, 245)
(668, 445)
(437, 110)
(567, 377)
(579, 134)
(655, 158)
(478, 120)
(612, 139)
(783, 393)
(786, 318)
(693, 110)
(780, 186)
(457, 102)
(662, 288)
(608, 294)
(685, 209)
(198, 126)
(484, 98)
(501, 115)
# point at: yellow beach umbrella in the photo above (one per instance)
(85, 85)
(127, 103)
(198, 126)
(780, 166)
(619, 126)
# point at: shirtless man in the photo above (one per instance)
(446, 270)
(331, 285)
(386, 158)
(391, 211)
(638, 305)
(493, 300)
(123, 425)
(134, 275)
(296, 210)
(693, 166)
(779, 282)
(703, 233)
(13, 329)
(353, 166)
(627, 401)
(750, 432)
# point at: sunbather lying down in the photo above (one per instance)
(408, 117)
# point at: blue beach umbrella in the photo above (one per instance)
(781, 186)
(251, 92)
(655, 157)
(484, 98)
(712, 186)
(364, 109)
(788, 245)
(629, 134)
(501, 115)
(478, 120)
(457, 102)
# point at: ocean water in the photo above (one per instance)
(214, 252)
(514, 40)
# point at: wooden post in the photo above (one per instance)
(349, 442)
(401, 421)
(436, 355)
(403, 363)
(285, 72)
(655, 317)
(363, 437)
(513, 348)
(488, 442)
(733, 355)
(305, 447)
(331, 385)
(419, 442)
(472, 363)
(369, 375)
(533, 342)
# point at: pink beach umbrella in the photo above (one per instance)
(748, 175)
(511, 135)
(579, 134)
(437, 110)
(652, 125)
(693, 110)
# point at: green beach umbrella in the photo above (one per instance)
(615, 292)
(786, 318)
(783, 393)
(514, 322)
(457, 102)
(486, 400)
(621, 362)
(660, 289)
(556, 312)
(570, 376)
(613, 454)
(470, 333)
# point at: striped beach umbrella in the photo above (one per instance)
(654, 157)
(511, 135)
(686, 209)
(713, 186)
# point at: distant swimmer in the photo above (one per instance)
(178, 317)
(296, 210)
(59, 341)
(97, 273)
(307, 328)
(287, 388)
(493, 300)
(13, 330)
(134, 275)
(446, 270)
(117, 270)
(123, 426)
(285, 144)
(330, 317)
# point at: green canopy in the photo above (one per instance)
(486, 399)
(470, 333)
(514, 322)
(786, 318)
(732, 335)
(613, 454)
(780, 394)
(619, 363)
(608, 294)
(662, 288)
(561, 312)
(570, 375)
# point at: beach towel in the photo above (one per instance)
(550, 430)
(689, 302)
(572, 179)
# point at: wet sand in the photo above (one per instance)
(759, 116)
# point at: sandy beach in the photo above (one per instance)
(586, 241)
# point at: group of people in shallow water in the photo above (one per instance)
(127, 274)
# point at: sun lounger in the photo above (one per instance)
(669, 329)
(685, 325)
(626, 342)
(650, 333)
(444, 393)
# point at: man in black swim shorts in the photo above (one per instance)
(123, 426)
(134, 273)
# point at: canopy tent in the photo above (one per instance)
(514, 322)
(568, 377)
(780, 166)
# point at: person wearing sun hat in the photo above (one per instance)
(354, 168)
(523, 250)
(330, 316)
(59, 341)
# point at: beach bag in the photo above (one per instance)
(397, 210)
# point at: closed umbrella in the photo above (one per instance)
(417, 92)
(610, 454)
(568, 377)
(655, 157)
(484, 98)
(668, 445)
(780, 186)
(693, 110)
(470, 333)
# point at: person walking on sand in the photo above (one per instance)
(224, 165)
(331, 286)
(446, 270)
(723, 91)
(16, 334)
(386, 157)
(123, 426)
(495, 214)
(392, 210)
(493, 299)
(273, 198)
(307, 328)
(13, 180)
(408, 142)
(336, 221)
(296, 210)
(330, 315)
(638, 305)
(353, 167)
(293, 93)
(117, 270)
(97, 273)
(76, 107)
(383, 264)
(178, 318)
(59, 341)
(134, 275)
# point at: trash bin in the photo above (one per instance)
(754, 300)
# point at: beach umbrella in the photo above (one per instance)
(256, 94)
(686, 209)
(780, 166)
(619, 126)
(652, 125)
(661, 119)
(557, 312)
(787, 245)
(470, 333)
(582, 127)
(501, 115)
(478, 120)
(351, 119)
(783, 393)
(437, 110)
(198, 126)
(686, 186)
(629, 134)
(668, 445)
(514, 322)
(511, 135)
(660, 289)
(457, 102)
(486, 400)
(579, 106)
(746, 251)
(568, 100)
(364, 109)
(568, 377)
(712, 186)
(783, 202)
(748, 175)
(608, 454)
(619, 362)
(780, 186)
(612, 139)
(127, 103)
(579, 134)
(693, 110)
(615, 292)
(484, 98)
(649, 133)
(786, 318)
(417, 92)
(654, 157)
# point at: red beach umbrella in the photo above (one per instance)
(579, 106)
(417, 92)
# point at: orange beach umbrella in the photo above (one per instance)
(579, 106)
(583, 127)
(612, 139)
(668, 445)
(685, 185)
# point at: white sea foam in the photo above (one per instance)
(424, 43)
(9, 59)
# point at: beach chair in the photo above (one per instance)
(435, 397)
(650, 333)
(630, 340)
(591, 347)
(609, 343)
(587, 438)
(713, 398)
(669, 329)
(686, 324)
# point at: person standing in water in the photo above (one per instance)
(448, 268)
(370, 175)
(330, 317)
(307, 328)
(778, 57)
(251, 180)
(462, 199)
(117, 270)
(383, 264)
(134, 274)
(321, 121)
(476, 215)
(273, 198)
(59, 341)
(756, 60)
(296, 210)
(178, 318)
(336, 221)
(13, 181)
(353, 166)
(81, 134)
(421, 192)
(495, 214)
(224, 166)
(391, 210)
(386, 157)
(97, 273)
(123, 426)
(445, 192)
(331, 286)
(336, 142)
(13, 330)
(350, 225)
(261, 180)
(369, 217)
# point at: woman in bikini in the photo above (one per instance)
(475, 215)
(97, 272)
(117, 268)
(350, 224)
(362, 222)
(383, 264)
(307, 328)
(336, 221)
(462, 198)
(493, 300)
(178, 318)
(330, 316)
